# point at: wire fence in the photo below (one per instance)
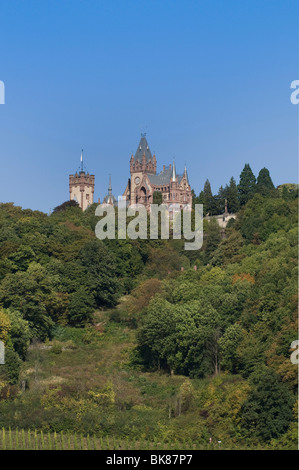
(21, 439)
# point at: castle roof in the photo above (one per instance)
(164, 177)
(109, 198)
(173, 177)
(142, 149)
(186, 174)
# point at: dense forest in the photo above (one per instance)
(202, 338)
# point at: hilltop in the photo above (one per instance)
(114, 339)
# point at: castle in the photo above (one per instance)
(81, 187)
(144, 181)
(142, 184)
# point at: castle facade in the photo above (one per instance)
(144, 181)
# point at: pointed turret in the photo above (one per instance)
(143, 149)
(173, 178)
(186, 174)
(110, 187)
(81, 160)
(109, 198)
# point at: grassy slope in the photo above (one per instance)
(82, 382)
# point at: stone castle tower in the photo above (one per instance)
(81, 186)
(144, 180)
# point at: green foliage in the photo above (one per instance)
(288, 191)
(212, 240)
(228, 251)
(208, 200)
(66, 205)
(56, 348)
(264, 183)
(264, 216)
(80, 307)
(11, 369)
(32, 294)
(176, 337)
(267, 412)
(247, 185)
(157, 197)
(19, 333)
(229, 344)
(205, 350)
(231, 194)
(99, 268)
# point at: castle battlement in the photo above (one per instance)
(81, 187)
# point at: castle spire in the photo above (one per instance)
(173, 171)
(110, 187)
(109, 198)
(81, 159)
(143, 149)
(186, 174)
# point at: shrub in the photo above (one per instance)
(56, 347)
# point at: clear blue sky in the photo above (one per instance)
(209, 81)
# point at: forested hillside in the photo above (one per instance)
(116, 337)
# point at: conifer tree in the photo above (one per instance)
(196, 199)
(200, 199)
(247, 185)
(231, 194)
(209, 200)
(264, 182)
(220, 200)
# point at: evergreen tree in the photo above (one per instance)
(264, 184)
(201, 198)
(247, 185)
(209, 202)
(220, 200)
(195, 199)
(231, 194)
